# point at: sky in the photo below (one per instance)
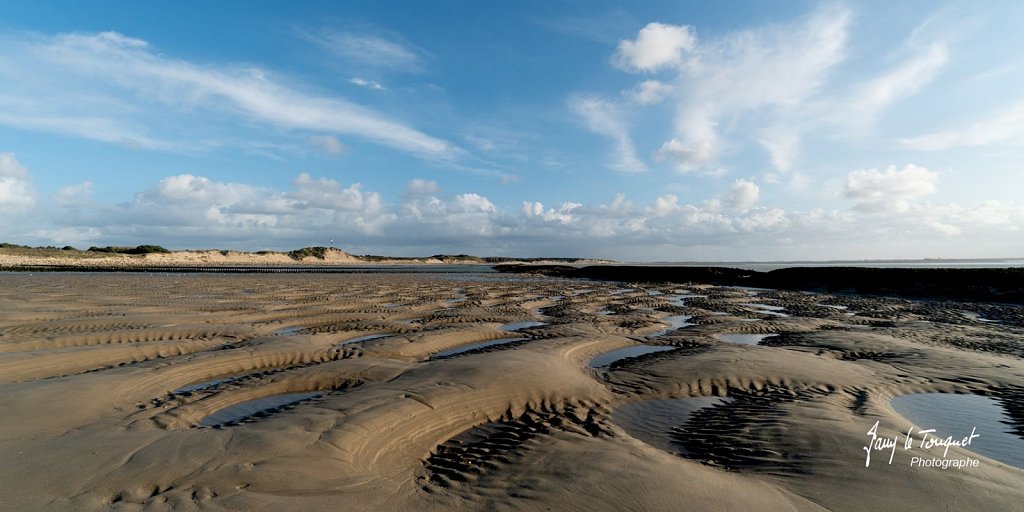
(638, 131)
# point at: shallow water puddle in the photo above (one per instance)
(653, 421)
(244, 410)
(608, 358)
(674, 322)
(516, 326)
(288, 331)
(368, 337)
(767, 309)
(744, 339)
(474, 346)
(206, 384)
(956, 415)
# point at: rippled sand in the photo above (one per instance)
(109, 386)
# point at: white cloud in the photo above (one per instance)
(742, 195)
(906, 79)
(782, 144)
(890, 190)
(769, 69)
(196, 211)
(482, 143)
(656, 46)
(783, 76)
(472, 203)
(562, 215)
(369, 84)
(74, 195)
(687, 156)
(10, 167)
(328, 144)
(1004, 126)
(110, 87)
(619, 205)
(16, 192)
(607, 119)
(367, 49)
(663, 206)
(648, 92)
(421, 187)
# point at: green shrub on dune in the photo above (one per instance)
(305, 252)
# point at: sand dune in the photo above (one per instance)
(95, 417)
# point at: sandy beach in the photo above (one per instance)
(482, 392)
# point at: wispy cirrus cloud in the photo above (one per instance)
(367, 49)
(117, 87)
(768, 85)
(1002, 126)
(369, 84)
(608, 119)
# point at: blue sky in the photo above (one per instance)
(639, 131)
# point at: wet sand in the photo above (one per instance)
(100, 407)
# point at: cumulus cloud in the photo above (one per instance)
(608, 119)
(663, 206)
(648, 92)
(74, 195)
(472, 203)
(687, 156)
(890, 190)
(742, 195)
(421, 187)
(16, 192)
(656, 46)
(195, 211)
(563, 214)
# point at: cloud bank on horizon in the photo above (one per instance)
(661, 133)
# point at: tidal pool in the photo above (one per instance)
(368, 337)
(515, 326)
(473, 346)
(674, 322)
(767, 309)
(744, 339)
(608, 358)
(956, 415)
(207, 383)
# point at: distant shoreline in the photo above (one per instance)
(964, 284)
(149, 257)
